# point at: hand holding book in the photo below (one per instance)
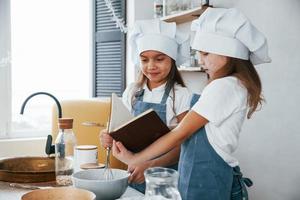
(105, 139)
(135, 133)
(120, 152)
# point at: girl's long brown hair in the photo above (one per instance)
(245, 71)
(172, 78)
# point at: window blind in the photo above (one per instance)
(108, 50)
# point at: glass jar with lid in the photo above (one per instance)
(161, 183)
(64, 152)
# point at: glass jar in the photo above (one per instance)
(177, 6)
(161, 183)
(172, 7)
(64, 152)
(158, 8)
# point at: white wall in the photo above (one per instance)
(269, 144)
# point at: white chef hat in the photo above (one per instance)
(228, 32)
(159, 36)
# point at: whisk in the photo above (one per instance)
(107, 173)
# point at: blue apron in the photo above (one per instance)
(203, 173)
(140, 106)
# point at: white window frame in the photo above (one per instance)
(5, 68)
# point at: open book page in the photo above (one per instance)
(119, 114)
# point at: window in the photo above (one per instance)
(50, 52)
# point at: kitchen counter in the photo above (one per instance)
(11, 193)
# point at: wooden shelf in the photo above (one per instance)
(190, 69)
(185, 16)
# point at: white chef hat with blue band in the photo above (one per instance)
(159, 36)
(228, 32)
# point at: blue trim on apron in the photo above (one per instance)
(203, 173)
(140, 106)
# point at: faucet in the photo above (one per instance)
(50, 149)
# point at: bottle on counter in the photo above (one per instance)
(161, 183)
(65, 144)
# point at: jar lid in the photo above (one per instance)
(65, 123)
(86, 147)
(92, 166)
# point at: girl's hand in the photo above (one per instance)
(105, 139)
(137, 172)
(121, 153)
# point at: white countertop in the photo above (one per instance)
(12, 193)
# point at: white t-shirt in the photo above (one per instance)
(181, 104)
(223, 103)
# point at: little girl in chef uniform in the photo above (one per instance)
(158, 48)
(229, 47)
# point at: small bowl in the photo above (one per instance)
(62, 193)
(93, 180)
